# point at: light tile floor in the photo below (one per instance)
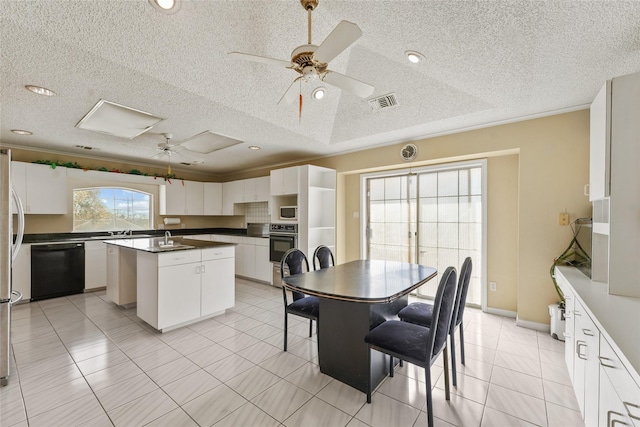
(82, 361)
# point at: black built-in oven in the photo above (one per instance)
(282, 237)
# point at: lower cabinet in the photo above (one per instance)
(21, 272)
(606, 391)
(95, 265)
(175, 288)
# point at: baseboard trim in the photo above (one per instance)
(533, 325)
(501, 312)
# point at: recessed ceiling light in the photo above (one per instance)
(318, 93)
(414, 57)
(40, 90)
(166, 6)
(254, 147)
(21, 132)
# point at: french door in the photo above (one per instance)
(433, 216)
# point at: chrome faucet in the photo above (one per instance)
(167, 235)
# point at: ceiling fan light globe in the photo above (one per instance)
(166, 4)
(318, 93)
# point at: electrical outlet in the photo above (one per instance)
(492, 286)
(563, 218)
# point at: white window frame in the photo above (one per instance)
(482, 163)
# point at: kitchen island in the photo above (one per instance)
(177, 282)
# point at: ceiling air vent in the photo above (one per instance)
(385, 101)
(85, 147)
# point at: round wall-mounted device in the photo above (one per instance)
(409, 152)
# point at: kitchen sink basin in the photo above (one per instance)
(120, 236)
(169, 247)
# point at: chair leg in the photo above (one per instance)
(310, 327)
(427, 381)
(452, 338)
(318, 335)
(285, 330)
(461, 343)
(369, 365)
(445, 357)
(391, 366)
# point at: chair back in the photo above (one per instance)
(461, 294)
(324, 256)
(294, 259)
(443, 306)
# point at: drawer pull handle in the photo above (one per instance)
(566, 334)
(577, 313)
(605, 364)
(633, 405)
(611, 422)
(578, 345)
(587, 332)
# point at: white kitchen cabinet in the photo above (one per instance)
(284, 181)
(182, 198)
(212, 198)
(42, 189)
(121, 275)
(614, 150)
(619, 394)
(21, 272)
(586, 367)
(217, 273)
(264, 268)
(180, 287)
(95, 265)
(569, 329)
(232, 194)
(256, 189)
(600, 144)
(316, 208)
(248, 258)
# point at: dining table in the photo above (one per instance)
(355, 297)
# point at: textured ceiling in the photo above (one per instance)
(486, 62)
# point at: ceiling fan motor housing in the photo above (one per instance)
(309, 4)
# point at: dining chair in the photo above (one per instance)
(418, 344)
(302, 305)
(421, 313)
(324, 256)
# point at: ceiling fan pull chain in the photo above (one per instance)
(300, 109)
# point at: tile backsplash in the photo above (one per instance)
(257, 212)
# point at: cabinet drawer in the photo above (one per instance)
(218, 253)
(178, 257)
(626, 388)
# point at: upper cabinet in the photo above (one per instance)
(212, 198)
(256, 189)
(615, 185)
(284, 181)
(232, 193)
(600, 144)
(182, 198)
(42, 189)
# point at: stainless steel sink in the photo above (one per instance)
(120, 236)
(169, 247)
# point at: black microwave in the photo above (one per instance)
(288, 212)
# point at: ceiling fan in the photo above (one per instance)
(311, 61)
(169, 150)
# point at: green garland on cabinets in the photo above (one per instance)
(75, 165)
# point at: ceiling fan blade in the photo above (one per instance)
(340, 38)
(347, 83)
(290, 95)
(261, 59)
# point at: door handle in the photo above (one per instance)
(587, 332)
(632, 405)
(611, 422)
(578, 345)
(603, 363)
(202, 269)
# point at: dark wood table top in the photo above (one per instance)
(367, 281)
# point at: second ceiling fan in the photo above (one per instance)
(311, 61)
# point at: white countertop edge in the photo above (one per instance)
(617, 317)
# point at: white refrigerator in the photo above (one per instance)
(9, 247)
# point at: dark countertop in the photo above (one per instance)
(64, 237)
(154, 244)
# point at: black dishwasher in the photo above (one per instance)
(57, 269)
